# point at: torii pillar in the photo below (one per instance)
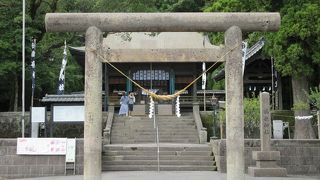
(231, 23)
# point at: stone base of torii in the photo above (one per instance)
(266, 159)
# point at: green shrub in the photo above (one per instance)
(251, 117)
(300, 106)
(314, 97)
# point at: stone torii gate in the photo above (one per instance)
(231, 23)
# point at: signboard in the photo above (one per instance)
(38, 114)
(143, 75)
(277, 129)
(41, 146)
(68, 113)
(71, 150)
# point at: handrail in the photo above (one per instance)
(107, 129)
(156, 128)
(202, 131)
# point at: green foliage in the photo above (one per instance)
(300, 106)
(251, 116)
(284, 115)
(207, 122)
(296, 46)
(215, 85)
(180, 5)
(49, 47)
(124, 6)
(235, 6)
(314, 97)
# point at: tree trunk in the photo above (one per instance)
(303, 127)
(16, 94)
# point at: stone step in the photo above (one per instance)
(140, 129)
(152, 126)
(154, 157)
(162, 153)
(135, 141)
(148, 133)
(155, 168)
(189, 119)
(162, 162)
(152, 138)
(157, 117)
(153, 135)
(164, 124)
(124, 129)
(162, 147)
(151, 121)
(191, 122)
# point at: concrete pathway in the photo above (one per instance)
(167, 175)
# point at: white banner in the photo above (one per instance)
(204, 76)
(41, 146)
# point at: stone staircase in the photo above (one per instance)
(140, 129)
(143, 157)
(133, 146)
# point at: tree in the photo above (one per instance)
(296, 46)
(49, 46)
(10, 53)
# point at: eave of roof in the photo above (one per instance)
(63, 98)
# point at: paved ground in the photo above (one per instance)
(177, 175)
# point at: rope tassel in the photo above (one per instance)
(151, 108)
(178, 107)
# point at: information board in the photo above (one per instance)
(71, 150)
(68, 113)
(38, 114)
(41, 146)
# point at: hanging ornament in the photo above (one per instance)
(151, 108)
(178, 107)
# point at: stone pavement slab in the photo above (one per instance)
(174, 175)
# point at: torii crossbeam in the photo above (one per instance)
(231, 23)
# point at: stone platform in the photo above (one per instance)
(267, 164)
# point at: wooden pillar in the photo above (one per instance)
(234, 104)
(93, 106)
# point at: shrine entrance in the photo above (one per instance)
(156, 81)
(231, 23)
